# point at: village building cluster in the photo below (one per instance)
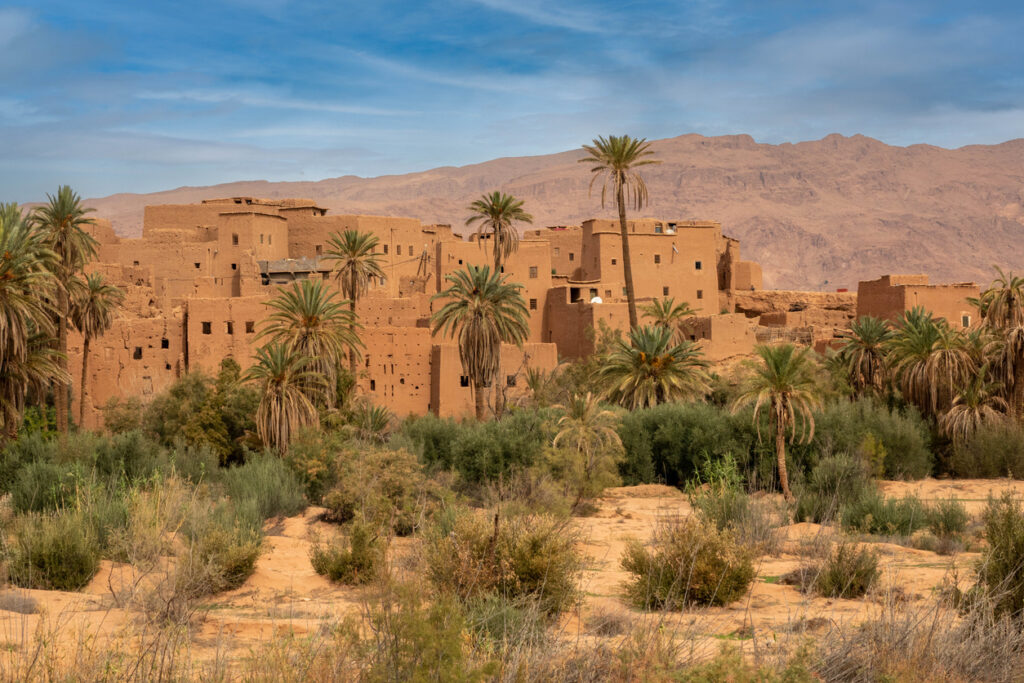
(199, 278)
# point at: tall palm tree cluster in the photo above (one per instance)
(962, 379)
(43, 291)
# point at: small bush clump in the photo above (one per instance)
(993, 452)
(42, 486)
(1001, 568)
(849, 572)
(875, 514)
(836, 482)
(691, 563)
(55, 551)
(948, 519)
(356, 560)
(266, 480)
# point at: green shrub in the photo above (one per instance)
(523, 557)
(270, 483)
(847, 573)
(505, 624)
(721, 502)
(355, 560)
(690, 563)
(384, 487)
(130, 455)
(43, 486)
(875, 514)
(52, 551)
(224, 544)
(836, 482)
(992, 452)
(487, 451)
(312, 455)
(947, 518)
(1001, 567)
(122, 415)
(433, 439)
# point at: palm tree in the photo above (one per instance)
(92, 313)
(1002, 307)
(785, 382)
(651, 369)
(289, 391)
(930, 360)
(978, 404)
(371, 422)
(61, 221)
(590, 432)
(864, 353)
(495, 213)
(615, 159)
(356, 264)
(667, 313)
(32, 372)
(483, 311)
(311, 322)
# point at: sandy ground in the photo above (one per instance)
(285, 595)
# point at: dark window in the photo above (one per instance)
(698, 265)
(510, 380)
(533, 271)
(230, 327)
(373, 385)
(234, 266)
(556, 251)
(135, 263)
(398, 250)
(615, 261)
(234, 239)
(319, 249)
(464, 381)
(593, 292)
(700, 293)
(270, 239)
(572, 256)
(401, 380)
(261, 238)
(657, 258)
(664, 291)
(207, 327)
(385, 249)
(533, 306)
(165, 343)
(196, 265)
(608, 293)
(167, 366)
(410, 250)
(137, 355)
(965, 321)
(250, 327)
(658, 229)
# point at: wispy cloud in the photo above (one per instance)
(552, 14)
(266, 101)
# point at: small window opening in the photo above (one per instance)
(234, 266)
(319, 249)
(615, 261)
(135, 263)
(700, 293)
(261, 238)
(664, 291)
(167, 366)
(657, 258)
(658, 229)
(165, 343)
(556, 251)
(533, 304)
(207, 327)
(196, 264)
(137, 355)
(385, 249)
(698, 265)
(572, 256)
(230, 327)
(510, 380)
(373, 385)
(401, 380)
(965, 321)
(398, 250)
(464, 381)
(250, 326)
(234, 239)
(533, 271)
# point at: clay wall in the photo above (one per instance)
(891, 295)
(220, 327)
(566, 248)
(722, 336)
(396, 369)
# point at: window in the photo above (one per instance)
(270, 239)
(385, 249)
(207, 327)
(657, 258)
(624, 292)
(230, 326)
(658, 229)
(698, 265)
(533, 305)
(572, 256)
(556, 251)
(464, 381)
(373, 385)
(367, 360)
(700, 293)
(261, 238)
(608, 293)
(965, 321)
(234, 266)
(250, 327)
(615, 261)
(167, 366)
(196, 265)
(137, 355)
(165, 343)
(460, 262)
(533, 271)
(135, 263)
(319, 249)
(398, 250)
(234, 239)
(593, 292)
(664, 291)
(510, 380)
(410, 250)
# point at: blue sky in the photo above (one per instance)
(142, 95)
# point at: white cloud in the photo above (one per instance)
(13, 23)
(222, 96)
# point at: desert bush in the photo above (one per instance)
(690, 563)
(153, 515)
(384, 487)
(353, 560)
(40, 486)
(721, 501)
(992, 452)
(122, 414)
(269, 482)
(225, 539)
(875, 514)
(492, 450)
(504, 625)
(1001, 567)
(849, 572)
(948, 518)
(836, 482)
(523, 557)
(312, 455)
(131, 456)
(55, 551)
(433, 439)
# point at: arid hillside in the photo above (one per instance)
(817, 215)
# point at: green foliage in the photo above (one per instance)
(433, 439)
(355, 560)
(312, 455)
(270, 483)
(55, 551)
(42, 486)
(848, 572)
(691, 562)
(123, 414)
(720, 501)
(875, 514)
(1000, 569)
(523, 557)
(489, 450)
(224, 544)
(992, 452)
(948, 518)
(837, 482)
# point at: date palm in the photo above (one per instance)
(482, 311)
(62, 221)
(32, 372)
(930, 360)
(311, 321)
(93, 303)
(977, 405)
(289, 391)
(614, 160)
(650, 369)
(667, 313)
(1002, 306)
(589, 432)
(494, 214)
(355, 265)
(864, 352)
(784, 382)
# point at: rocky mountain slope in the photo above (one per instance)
(817, 215)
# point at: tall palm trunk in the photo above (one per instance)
(780, 450)
(480, 399)
(352, 324)
(60, 389)
(83, 392)
(627, 263)
(1017, 399)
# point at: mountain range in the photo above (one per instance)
(817, 215)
